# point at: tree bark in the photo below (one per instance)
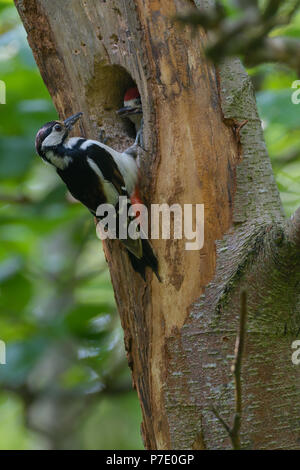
(180, 334)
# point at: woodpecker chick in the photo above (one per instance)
(133, 110)
(132, 107)
(95, 174)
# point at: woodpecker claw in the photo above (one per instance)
(102, 137)
(139, 140)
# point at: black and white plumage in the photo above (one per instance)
(95, 174)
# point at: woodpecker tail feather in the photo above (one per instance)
(135, 247)
(139, 249)
(148, 259)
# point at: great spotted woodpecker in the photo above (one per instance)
(95, 174)
(133, 110)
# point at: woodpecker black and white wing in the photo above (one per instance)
(103, 164)
(125, 162)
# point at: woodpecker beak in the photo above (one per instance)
(127, 111)
(70, 121)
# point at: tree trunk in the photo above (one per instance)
(180, 334)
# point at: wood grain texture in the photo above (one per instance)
(180, 334)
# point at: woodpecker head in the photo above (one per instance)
(132, 103)
(53, 134)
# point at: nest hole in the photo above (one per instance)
(105, 95)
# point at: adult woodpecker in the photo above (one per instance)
(95, 174)
(133, 109)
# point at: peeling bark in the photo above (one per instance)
(180, 335)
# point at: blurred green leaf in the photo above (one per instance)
(22, 356)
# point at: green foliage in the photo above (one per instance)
(281, 118)
(281, 122)
(57, 310)
(110, 411)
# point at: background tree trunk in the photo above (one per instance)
(180, 334)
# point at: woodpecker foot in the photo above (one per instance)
(139, 140)
(102, 137)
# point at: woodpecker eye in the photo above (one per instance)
(57, 127)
